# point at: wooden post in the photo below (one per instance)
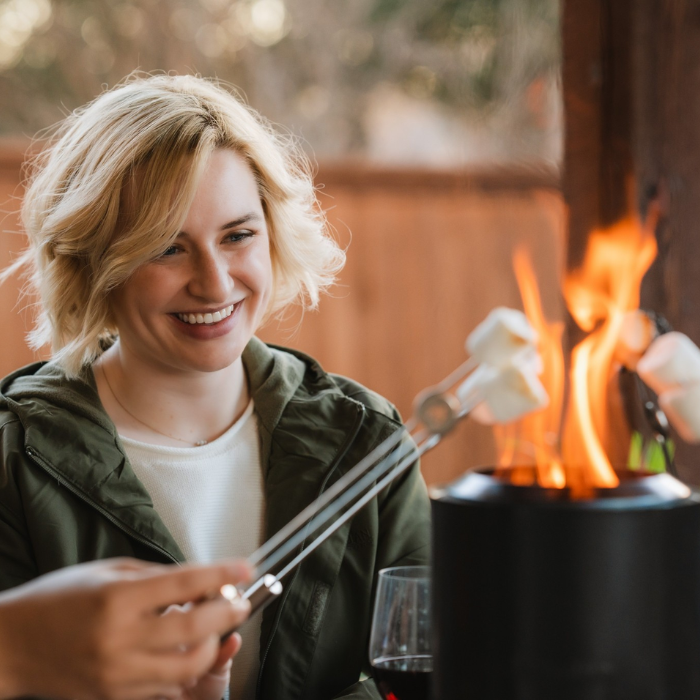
(597, 103)
(598, 162)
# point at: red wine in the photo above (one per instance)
(403, 677)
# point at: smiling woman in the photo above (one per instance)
(192, 310)
(166, 222)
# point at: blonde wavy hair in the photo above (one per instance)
(163, 128)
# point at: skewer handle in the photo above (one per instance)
(260, 595)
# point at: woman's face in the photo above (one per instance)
(196, 307)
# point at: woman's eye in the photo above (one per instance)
(169, 252)
(239, 236)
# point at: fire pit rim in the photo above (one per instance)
(637, 490)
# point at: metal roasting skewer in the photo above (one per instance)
(437, 408)
(322, 501)
(258, 558)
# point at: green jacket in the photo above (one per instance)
(68, 495)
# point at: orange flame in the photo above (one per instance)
(534, 439)
(598, 295)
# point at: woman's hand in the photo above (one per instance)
(97, 631)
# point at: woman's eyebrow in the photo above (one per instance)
(252, 216)
(241, 220)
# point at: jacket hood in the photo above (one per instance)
(45, 383)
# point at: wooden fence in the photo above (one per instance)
(429, 255)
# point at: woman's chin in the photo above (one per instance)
(210, 365)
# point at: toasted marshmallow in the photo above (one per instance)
(637, 333)
(500, 336)
(671, 361)
(682, 407)
(508, 393)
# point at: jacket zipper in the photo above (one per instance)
(341, 453)
(139, 538)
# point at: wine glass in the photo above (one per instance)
(400, 648)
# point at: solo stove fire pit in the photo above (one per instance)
(542, 596)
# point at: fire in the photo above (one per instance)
(535, 438)
(598, 295)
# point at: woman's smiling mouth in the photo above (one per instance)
(207, 318)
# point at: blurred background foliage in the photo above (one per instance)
(443, 83)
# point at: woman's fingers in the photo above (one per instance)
(185, 627)
(227, 651)
(176, 667)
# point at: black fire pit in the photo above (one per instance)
(540, 596)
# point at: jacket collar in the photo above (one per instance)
(274, 375)
(69, 434)
(306, 423)
(307, 426)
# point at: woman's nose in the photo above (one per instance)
(211, 278)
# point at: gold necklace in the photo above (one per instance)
(197, 443)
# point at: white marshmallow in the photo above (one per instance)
(671, 361)
(527, 360)
(682, 407)
(636, 335)
(501, 335)
(508, 393)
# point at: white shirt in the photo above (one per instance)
(211, 500)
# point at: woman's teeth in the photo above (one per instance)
(207, 318)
